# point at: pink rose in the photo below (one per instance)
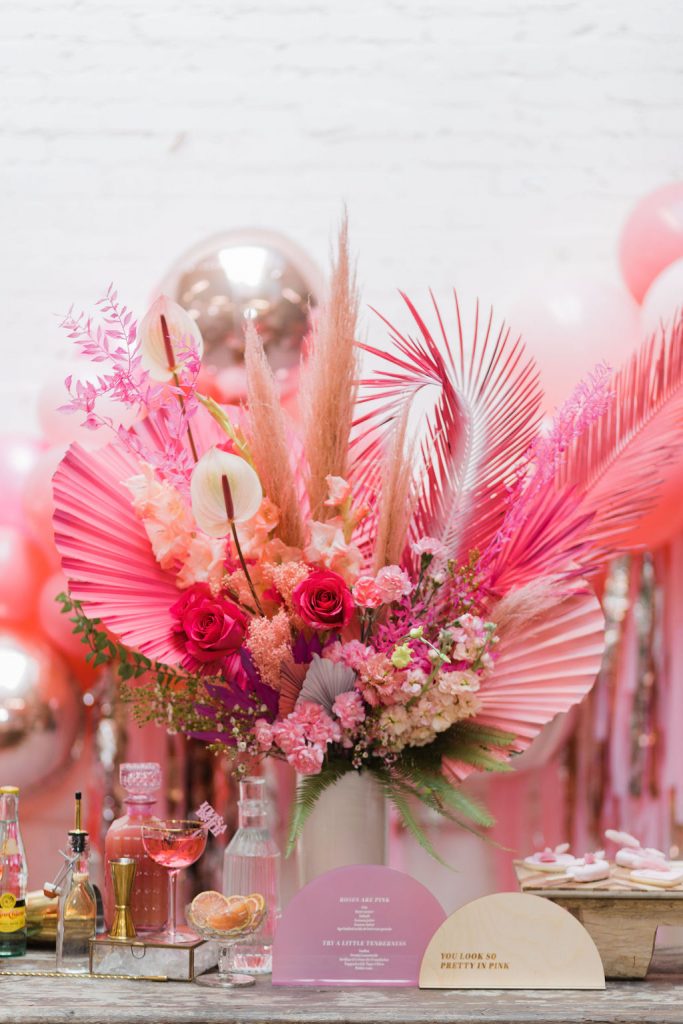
(366, 593)
(393, 583)
(349, 709)
(210, 628)
(263, 734)
(323, 600)
(307, 760)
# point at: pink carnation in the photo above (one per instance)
(349, 709)
(355, 654)
(307, 760)
(288, 734)
(263, 734)
(393, 583)
(317, 725)
(366, 593)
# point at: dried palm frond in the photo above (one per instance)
(618, 461)
(268, 441)
(396, 500)
(329, 382)
(482, 411)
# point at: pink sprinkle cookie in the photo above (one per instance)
(664, 879)
(553, 861)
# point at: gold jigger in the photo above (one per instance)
(123, 876)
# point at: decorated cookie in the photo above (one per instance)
(591, 868)
(553, 861)
(632, 855)
(664, 879)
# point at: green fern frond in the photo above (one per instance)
(398, 793)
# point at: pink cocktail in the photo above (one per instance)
(174, 845)
(175, 851)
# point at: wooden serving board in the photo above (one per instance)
(622, 917)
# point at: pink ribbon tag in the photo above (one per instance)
(212, 819)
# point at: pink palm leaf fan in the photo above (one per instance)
(105, 550)
(479, 419)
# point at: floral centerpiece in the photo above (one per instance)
(396, 586)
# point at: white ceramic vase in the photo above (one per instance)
(348, 825)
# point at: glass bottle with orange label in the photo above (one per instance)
(13, 876)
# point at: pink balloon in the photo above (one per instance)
(663, 300)
(56, 625)
(38, 502)
(22, 571)
(652, 237)
(18, 457)
(569, 322)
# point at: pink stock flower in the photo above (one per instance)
(307, 760)
(393, 583)
(263, 734)
(323, 600)
(349, 709)
(209, 628)
(366, 592)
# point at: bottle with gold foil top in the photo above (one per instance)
(13, 876)
(77, 904)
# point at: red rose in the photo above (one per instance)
(323, 600)
(210, 628)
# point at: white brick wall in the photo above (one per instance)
(471, 139)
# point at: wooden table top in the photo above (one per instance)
(35, 1000)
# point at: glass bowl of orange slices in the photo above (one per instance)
(225, 920)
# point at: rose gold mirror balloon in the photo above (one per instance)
(247, 275)
(41, 713)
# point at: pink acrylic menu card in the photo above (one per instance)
(358, 925)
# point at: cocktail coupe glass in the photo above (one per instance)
(175, 845)
(226, 941)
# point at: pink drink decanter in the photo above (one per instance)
(149, 901)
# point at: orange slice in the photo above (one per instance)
(207, 903)
(233, 916)
(257, 906)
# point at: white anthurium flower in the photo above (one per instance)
(183, 335)
(211, 498)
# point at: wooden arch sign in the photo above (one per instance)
(512, 940)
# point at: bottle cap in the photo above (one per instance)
(9, 791)
(140, 777)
